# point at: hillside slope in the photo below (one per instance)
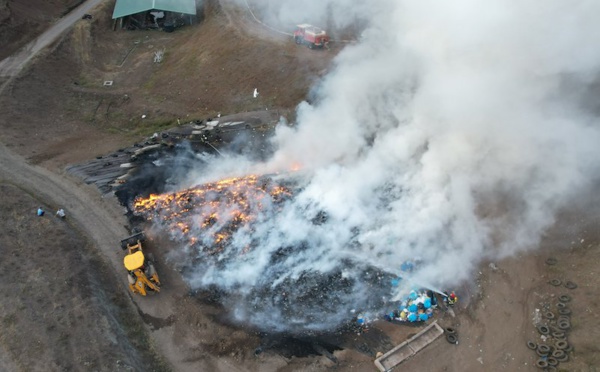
(208, 68)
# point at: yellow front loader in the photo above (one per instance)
(142, 275)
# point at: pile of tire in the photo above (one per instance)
(451, 335)
(556, 325)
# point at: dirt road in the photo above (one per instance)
(98, 218)
(11, 66)
(101, 219)
(103, 223)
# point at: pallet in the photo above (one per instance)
(409, 347)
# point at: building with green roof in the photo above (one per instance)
(125, 8)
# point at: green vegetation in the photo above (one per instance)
(148, 127)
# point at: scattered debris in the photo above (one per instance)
(111, 175)
(537, 317)
(108, 83)
(158, 56)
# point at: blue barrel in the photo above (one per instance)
(427, 303)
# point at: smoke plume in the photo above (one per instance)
(450, 133)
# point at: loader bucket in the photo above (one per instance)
(134, 261)
(133, 239)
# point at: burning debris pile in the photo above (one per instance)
(217, 210)
(220, 229)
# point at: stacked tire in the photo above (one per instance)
(451, 335)
(554, 329)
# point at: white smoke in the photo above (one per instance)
(444, 136)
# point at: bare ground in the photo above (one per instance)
(21, 22)
(62, 280)
(59, 309)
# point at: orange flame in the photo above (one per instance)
(209, 214)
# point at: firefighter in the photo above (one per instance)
(452, 299)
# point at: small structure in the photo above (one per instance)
(157, 14)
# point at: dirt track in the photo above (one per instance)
(11, 66)
(494, 328)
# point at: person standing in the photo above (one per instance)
(452, 299)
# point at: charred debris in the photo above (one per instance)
(148, 166)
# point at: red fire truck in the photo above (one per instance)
(311, 36)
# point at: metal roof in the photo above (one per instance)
(126, 7)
